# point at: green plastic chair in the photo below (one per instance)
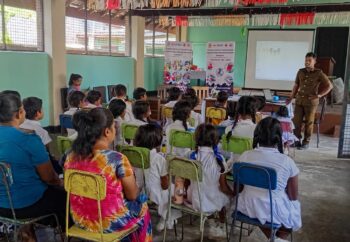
(192, 122)
(63, 144)
(7, 181)
(181, 139)
(237, 145)
(129, 131)
(139, 157)
(191, 170)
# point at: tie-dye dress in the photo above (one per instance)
(118, 213)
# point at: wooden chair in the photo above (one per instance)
(155, 108)
(162, 91)
(201, 92)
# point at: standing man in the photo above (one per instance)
(307, 94)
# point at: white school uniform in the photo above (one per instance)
(36, 127)
(72, 133)
(197, 118)
(176, 125)
(136, 122)
(128, 111)
(90, 105)
(169, 121)
(212, 198)
(118, 124)
(255, 202)
(228, 122)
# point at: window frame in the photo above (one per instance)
(86, 50)
(40, 32)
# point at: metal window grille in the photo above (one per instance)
(89, 31)
(21, 25)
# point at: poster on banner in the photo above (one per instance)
(178, 58)
(220, 63)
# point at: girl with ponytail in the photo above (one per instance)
(181, 113)
(123, 206)
(214, 169)
(268, 152)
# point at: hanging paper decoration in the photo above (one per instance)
(134, 4)
(338, 18)
(296, 18)
(222, 20)
(264, 20)
(181, 21)
(253, 2)
(113, 4)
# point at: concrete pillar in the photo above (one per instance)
(137, 48)
(55, 47)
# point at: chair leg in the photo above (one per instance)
(291, 236)
(240, 232)
(227, 232)
(318, 135)
(202, 225)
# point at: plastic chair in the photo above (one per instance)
(191, 170)
(92, 186)
(215, 115)
(63, 144)
(129, 131)
(65, 122)
(221, 130)
(7, 181)
(236, 145)
(139, 157)
(181, 139)
(256, 176)
(167, 112)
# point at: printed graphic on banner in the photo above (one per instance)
(220, 63)
(178, 61)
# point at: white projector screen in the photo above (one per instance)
(275, 56)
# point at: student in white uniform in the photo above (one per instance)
(120, 93)
(244, 123)
(181, 113)
(118, 109)
(93, 99)
(140, 94)
(174, 95)
(215, 192)
(231, 112)
(287, 125)
(34, 113)
(192, 98)
(157, 180)
(76, 102)
(142, 112)
(254, 202)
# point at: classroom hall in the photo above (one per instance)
(174, 120)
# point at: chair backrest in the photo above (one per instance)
(7, 180)
(102, 90)
(215, 113)
(201, 92)
(185, 168)
(129, 131)
(167, 112)
(237, 145)
(221, 130)
(191, 121)
(181, 139)
(64, 99)
(139, 157)
(63, 144)
(162, 91)
(87, 185)
(66, 121)
(110, 90)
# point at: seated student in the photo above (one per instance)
(287, 125)
(74, 84)
(150, 136)
(36, 189)
(181, 113)
(194, 101)
(34, 113)
(11, 92)
(174, 95)
(140, 94)
(123, 207)
(142, 112)
(118, 109)
(221, 102)
(215, 192)
(120, 93)
(244, 122)
(94, 99)
(255, 203)
(231, 111)
(76, 102)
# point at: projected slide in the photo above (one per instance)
(279, 60)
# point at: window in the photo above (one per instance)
(94, 32)
(21, 25)
(156, 36)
